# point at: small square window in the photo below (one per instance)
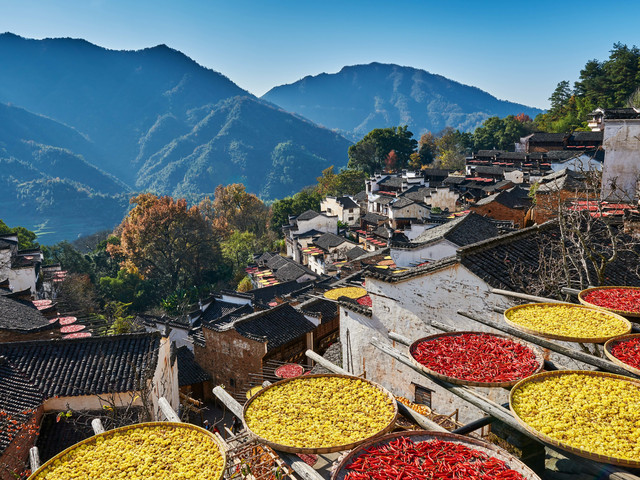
(232, 382)
(423, 395)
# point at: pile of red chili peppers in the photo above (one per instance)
(628, 351)
(290, 370)
(402, 459)
(366, 301)
(625, 299)
(477, 357)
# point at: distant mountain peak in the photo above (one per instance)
(362, 97)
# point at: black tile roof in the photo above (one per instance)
(383, 199)
(347, 202)
(292, 271)
(308, 215)
(18, 394)
(593, 137)
(516, 198)
(391, 277)
(265, 295)
(417, 193)
(435, 173)
(6, 243)
(217, 309)
(324, 308)
(276, 262)
(619, 113)
(277, 326)
(355, 252)
(85, 366)
(402, 202)
(189, 371)
(494, 260)
(564, 179)
(454, 180)
(489, 170)
(309, 233)
(362, 196)
(395, 182)
(374, 218)
(464, 230)
(329, 240)
(231, 316)
(489, 153)
(21, 316)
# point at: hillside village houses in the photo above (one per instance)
(425, 245)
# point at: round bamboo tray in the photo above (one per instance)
(567, 338)
(565, 446)
(329, 449)
(608, 352)
(350, 292)
(624, 313)
(109, 433)
(460, 381)
(423, 435)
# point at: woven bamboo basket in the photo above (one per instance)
(565, 446)
(624, 313)
(423, 435)
(567, 338)
(459, 381)
(328, 449)
(92, 440)
(608, 352)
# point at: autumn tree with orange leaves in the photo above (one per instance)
(168, 243)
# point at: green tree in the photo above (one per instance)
(245, 285)
(26, 238)
(370, 153)
(560, 97)
(452, 147)
(239, 248)
(306, 199)
(69, 258)
(127, 287)
(501, 133)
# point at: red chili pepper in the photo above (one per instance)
(628, 351)
(624, 299)
(477, 357)
(432, 459)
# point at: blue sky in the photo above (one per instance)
(515, 50)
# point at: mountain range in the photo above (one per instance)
(84, 128)
(360, 98)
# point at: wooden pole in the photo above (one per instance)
(34, 458)
(168, 412)
(323, 362)
(296, 463)
(97, 426)
(566, 351)
(524, 296)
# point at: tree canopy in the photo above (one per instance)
(167, 243)
(371, 153)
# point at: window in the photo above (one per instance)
(351, 219)
(232, 382)
(423, 395)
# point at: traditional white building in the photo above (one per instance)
(621, 143)
(20, 267)
(300, 232)
(346, 208)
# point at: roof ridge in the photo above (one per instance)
(92, 339)
(251, 316)
(500, 239)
